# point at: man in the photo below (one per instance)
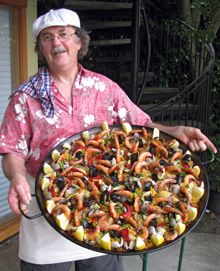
(62, 99)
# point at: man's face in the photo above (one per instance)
(59, 45)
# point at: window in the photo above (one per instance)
(12, 57)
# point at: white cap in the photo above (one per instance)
(58, 17)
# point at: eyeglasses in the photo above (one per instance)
(63, 36)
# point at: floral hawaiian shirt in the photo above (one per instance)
(38, 117)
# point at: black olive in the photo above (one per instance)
(148, 198)
(179, 179)
(114, 178)
(89, 201)
(92, 171)
(134, 157)
(152, 149)
(153, 223)
(154, 177)
(147, 186)
(141, 144)
(115, 197)
(104, 197)
(130, 186)
(79, 155)
(171, 151)
(187, 158)
(86, 224)
(115, 234)
(108, 156)
(163, 163)
(60, 182)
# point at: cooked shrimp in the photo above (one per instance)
(102, 168)
(120, 173)
(188, 195)
(113, 210)
(76, 218)
(143, 233)
(131, 221)
(125, 193)
(113, 227)
(169, 209)
(145, 133)
(170, 235)
(135, 147)
(183, 207)
(149, 219)
(161, 151)
(89, 152)
(177, 155)
(144, 155)
(97, 213)
(173, 169)
(79, 198)
(188, 178)
(155, 167)
(136, 204)
(92, 142)
(93, 235)
(139, 166)
(103, 133)
(104, 163)
(79, 182)
(79, 143)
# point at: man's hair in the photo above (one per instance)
(84, 38)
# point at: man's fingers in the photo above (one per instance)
(23, 195)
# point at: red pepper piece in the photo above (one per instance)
(52, 191)
(125, 234)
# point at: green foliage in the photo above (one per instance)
(213, 169)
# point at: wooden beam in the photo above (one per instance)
(9, 228)
(17, 3)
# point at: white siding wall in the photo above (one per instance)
(5, 90)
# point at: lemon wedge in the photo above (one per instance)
(79, 233)
(47, 169)
(126, 127)
(105, 242)
(45, 182)
(55, 155)
(105, 125)
(156, 133)
(192, 213)
(85, 135)
(197, 194)
(139, 243)
(62, 221)
(50, 205)
(157, 239)
(180, 227)
(196, 170)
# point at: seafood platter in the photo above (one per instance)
(122, 189)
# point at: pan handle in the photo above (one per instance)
(212, 157)
(25, 215)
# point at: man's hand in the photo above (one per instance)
(19, 191)
(190, 136)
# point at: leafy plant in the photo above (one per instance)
(213, 169)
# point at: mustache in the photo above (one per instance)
(58, 50)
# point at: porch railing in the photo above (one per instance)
(179, 60)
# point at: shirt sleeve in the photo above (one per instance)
(126, 111)
(15, 131)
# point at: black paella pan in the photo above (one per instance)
(41, 201)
